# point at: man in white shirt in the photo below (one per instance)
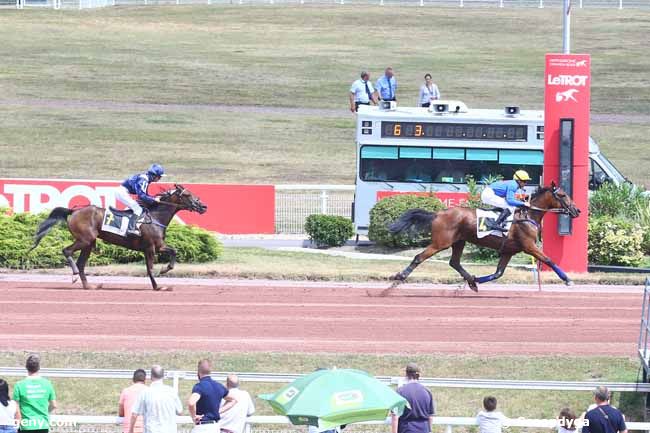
(362, 92)
(158, 405)
(234, 420)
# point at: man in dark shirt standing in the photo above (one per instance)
(419, 418)
(204, 402)
(603, 418)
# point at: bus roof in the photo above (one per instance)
(478, 114)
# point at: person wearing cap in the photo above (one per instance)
(418, 417)
(137, 185)
(362, 92)
(503, 195)
(603, 418)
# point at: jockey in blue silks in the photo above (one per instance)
(137, 185)
(503, 195)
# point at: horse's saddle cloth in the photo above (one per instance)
(484, 216)
(116, 221)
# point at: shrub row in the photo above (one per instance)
(192, 244)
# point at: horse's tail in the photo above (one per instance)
(418, 218)
(58, 215)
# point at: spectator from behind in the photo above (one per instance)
(362, 92)
(418, 418)
(566, 421)
(9, 413)
(204, 403)
(603, 418)
(428, 92)
(128, 397)
(234, 420)
(490, 420)
(387, 85)
(158, 405)
(35, 397)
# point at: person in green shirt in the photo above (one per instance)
(35, 397)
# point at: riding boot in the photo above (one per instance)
(133, 228)
(500, 221)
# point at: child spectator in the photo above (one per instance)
(566, 421)
(490, 420)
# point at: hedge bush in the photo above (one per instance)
(390, 209)
(614, 241)
(328, 230)
(613, 200)
(192, 244)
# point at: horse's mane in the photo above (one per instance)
(541, 190)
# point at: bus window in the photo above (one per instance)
(445, 165)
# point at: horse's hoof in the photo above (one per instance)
(165, 289)
(398, 277)
(568, 283)
(472, 285)
(75, 277)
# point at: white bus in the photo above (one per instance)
(417, 150)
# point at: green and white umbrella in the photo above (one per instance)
(329, 398)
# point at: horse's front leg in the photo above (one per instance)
(149, 256)
(501, 268)
(539, 255)
(172, 259)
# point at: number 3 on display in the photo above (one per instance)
(418, 130)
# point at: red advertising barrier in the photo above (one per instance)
(567, 96)
(232, 209)
(450, 199)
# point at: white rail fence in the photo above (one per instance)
(294, 203)
(86, 4)
(81, 424)
(434, 382)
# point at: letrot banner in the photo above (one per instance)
(566, 101)
(232, 209)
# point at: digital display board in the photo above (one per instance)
(454, 131)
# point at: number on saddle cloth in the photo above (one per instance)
(483, 228)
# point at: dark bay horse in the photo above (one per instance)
(455, 226)
(85, 226)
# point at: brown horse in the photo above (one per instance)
(85, 226)
(453, 227)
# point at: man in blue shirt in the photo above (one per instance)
(205, 400)
(502, 194)
(418, 416)
(138, 185)
(603, 418)
(387, 85)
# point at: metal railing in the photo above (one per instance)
(644, 332)
(84, 4)
(448, 422)
(433, 382)
(294, 203)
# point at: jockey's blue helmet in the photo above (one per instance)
(156, 170)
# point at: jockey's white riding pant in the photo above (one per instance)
(489, 197)
(122, 195)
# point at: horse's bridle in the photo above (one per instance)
(564, 210)
(192, 206)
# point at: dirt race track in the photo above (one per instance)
(47, 312)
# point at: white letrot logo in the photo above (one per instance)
(567, 80)
(581, 63)
(566, 96)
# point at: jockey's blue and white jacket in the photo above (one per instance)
(138, 185)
